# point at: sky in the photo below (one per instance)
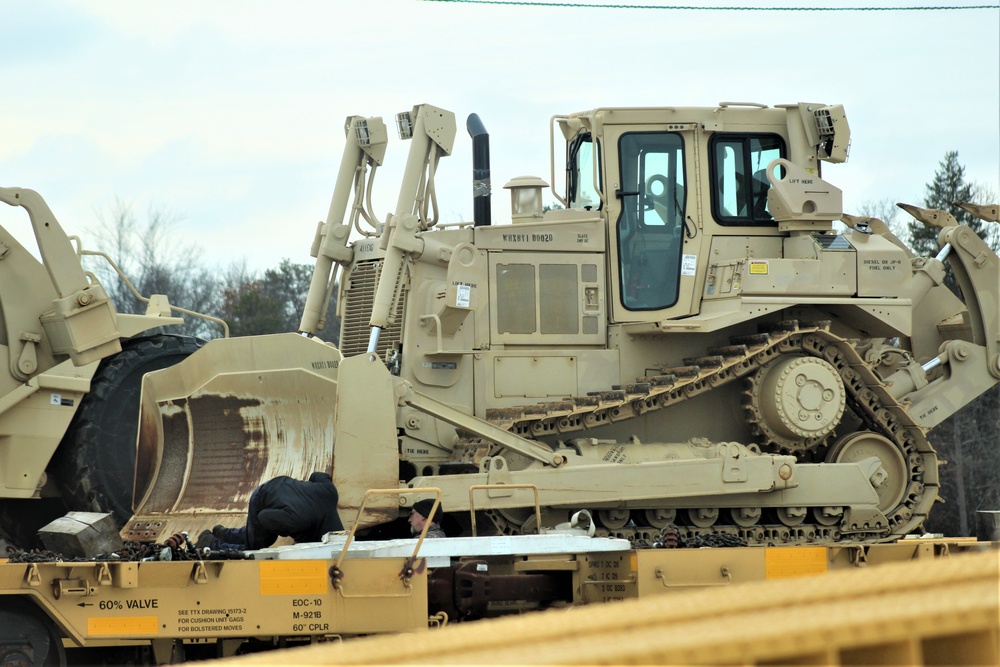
(227, 116)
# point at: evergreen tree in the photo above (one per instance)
(948, 186)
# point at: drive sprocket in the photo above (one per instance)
(794, 403)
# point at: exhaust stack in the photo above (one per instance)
(480, 170)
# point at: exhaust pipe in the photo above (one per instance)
(480, 171)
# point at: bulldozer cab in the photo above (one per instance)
(668, 188)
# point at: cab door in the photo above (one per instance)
(653, 240)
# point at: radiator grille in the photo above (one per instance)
(358, 299)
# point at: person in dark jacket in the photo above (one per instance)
(304, 511)
(421, 514)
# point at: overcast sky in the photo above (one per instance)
(229, 115)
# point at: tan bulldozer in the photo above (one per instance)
(690, 338)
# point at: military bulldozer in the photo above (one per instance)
(69, 391)
(691, 339)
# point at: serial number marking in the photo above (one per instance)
(525, 238)
(312, 627)
(615, 455)
(612, 588)
(308, 602)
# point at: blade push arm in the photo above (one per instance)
(433, 135)
(365, 147)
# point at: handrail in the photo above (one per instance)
(391, 492)
(552, 160)
(128, 283)
(723, 571)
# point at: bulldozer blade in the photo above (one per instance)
(235, 414)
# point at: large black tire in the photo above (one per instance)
(94, 466)
(27, 637)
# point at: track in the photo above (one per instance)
(887, 428)
(95, 464)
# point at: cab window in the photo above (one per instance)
(739, 174)
(650, 228)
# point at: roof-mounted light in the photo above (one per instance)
(404, 125)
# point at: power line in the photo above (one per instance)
(526, 3)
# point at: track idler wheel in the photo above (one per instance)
(891, 480)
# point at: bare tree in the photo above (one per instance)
(155, 262)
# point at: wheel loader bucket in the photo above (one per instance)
(214, 427)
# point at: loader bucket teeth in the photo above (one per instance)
(985, 212)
